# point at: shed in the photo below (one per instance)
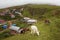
(31, 21)
(26, 18)
(15, 28)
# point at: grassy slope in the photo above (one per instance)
(47, 32)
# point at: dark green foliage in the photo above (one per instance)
(5, 34)
(57, 22)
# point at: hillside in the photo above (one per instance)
(50, 31)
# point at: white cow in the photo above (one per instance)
(34, 30)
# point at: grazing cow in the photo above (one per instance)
(34, 30)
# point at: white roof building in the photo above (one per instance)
(31, 20)
(15, 28)
(26, 18)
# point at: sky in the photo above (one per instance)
(9, 3)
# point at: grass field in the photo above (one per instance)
(49, 31)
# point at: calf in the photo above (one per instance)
(47, 21)
(34, 30)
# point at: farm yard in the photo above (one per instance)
(48, 23)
